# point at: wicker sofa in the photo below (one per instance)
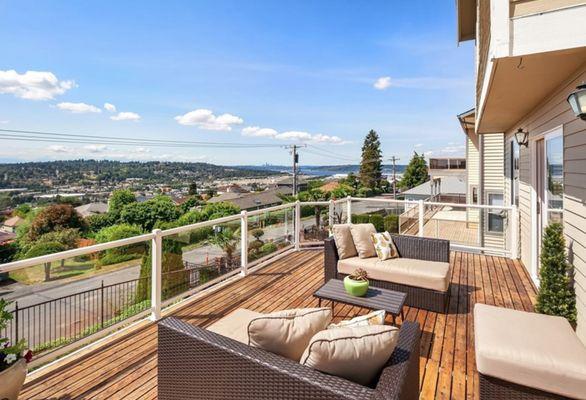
(409, 247)
(194, 363)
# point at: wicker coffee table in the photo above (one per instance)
(375, 299)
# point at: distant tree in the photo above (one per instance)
(190, 203)
(371, 163)
(315, 195)
(220, 209)
(192, 191)
(556, 294)
(191, 217)
(121, 253)
(119, 199)
(315, 183)
(7, 252)
(148, 213)
(42, 249)
(53, 218)
(99, 221)
(22, 210)
(343, 190)
(351, 180)
(227, 240)
(257, 234)
(416, 172)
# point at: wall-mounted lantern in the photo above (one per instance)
(577, 100)
(522, 137)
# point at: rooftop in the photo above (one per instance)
(125, 367)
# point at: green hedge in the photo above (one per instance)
(391, 223)
(376, 219)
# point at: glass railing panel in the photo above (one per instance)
(384, 215)
(58, 303)
(269, 233)
(314, 226)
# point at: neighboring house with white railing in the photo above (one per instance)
(531, 56)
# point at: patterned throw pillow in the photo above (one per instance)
(373, 318)
(384, 246)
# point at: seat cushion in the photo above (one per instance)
(530, 349)
(344, 242)
(287, 332)
(362, 240)
(235, 324)
(405, 271)
(357, 354)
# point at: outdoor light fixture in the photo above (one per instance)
(577, 101)
(522, 137)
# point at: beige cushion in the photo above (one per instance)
(288, 332)
(362, 241)
(344, 242)
(529, 349)
(405, 271)
(235, 324)
(384, 246)
(356, 354)
(373, 318)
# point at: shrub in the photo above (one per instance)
(392, 223)
(268, 248)
(556, 294)
(360, 218)
(258, 233)
(378, 221)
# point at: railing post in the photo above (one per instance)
(514, 223)
(102, 305)
(16, 321)
(297, 224)
(156, 268)
(349, 209)
(421, 219)
(243, 243)
(331, 211)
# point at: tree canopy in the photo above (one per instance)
(371, 163)
(54, 218)
(148, 213)
(119, 199)
(416, 172)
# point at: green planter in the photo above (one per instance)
(355, 288)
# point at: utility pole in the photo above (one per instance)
(294, 149)
(394, 160)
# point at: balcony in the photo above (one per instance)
(99, 342)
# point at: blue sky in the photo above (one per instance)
(279, 72)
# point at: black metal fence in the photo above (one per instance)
(54, 323)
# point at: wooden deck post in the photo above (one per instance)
(156, 268)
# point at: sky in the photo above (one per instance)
(320, 73)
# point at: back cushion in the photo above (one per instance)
(362, 240)
(344, 242)
(357, 354)
(288, 332)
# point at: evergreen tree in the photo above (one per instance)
(192, 189)
(416, 172)
(371, 163)
(556, 293)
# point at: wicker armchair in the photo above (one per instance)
(194, 363)
(408, 247)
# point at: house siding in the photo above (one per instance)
(472, 176)
(550, 114)
(493, 178)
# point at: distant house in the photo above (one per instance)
(450, 189)
(10, 225)
(287, 183)
(232, 188)
(90, 209)
(251, 201)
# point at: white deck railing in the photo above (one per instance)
(459, 220)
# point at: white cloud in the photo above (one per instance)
(294, 135)
(96, 148)
(110, 107)
(382, 83)
(78, 108)
(125, 116)
(57, 148)
(256, 131)
(205, 119)
(33, 85)
(4, 121)
(418, 145)
(319, 138)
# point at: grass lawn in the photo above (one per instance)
(71, 270)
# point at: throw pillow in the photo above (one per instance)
(357, 354)
(287, 332)
(373, 318)
(344, 242)
(384, 246)
(361, 236)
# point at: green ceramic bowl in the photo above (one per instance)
(355, 288)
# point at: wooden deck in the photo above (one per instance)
(127, 368)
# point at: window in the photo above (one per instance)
(554, 170)
(495, 217)
(474, 194)
(457, 163)
(514, 172)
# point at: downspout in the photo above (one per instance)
(481, 189)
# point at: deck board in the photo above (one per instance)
(127, 367)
